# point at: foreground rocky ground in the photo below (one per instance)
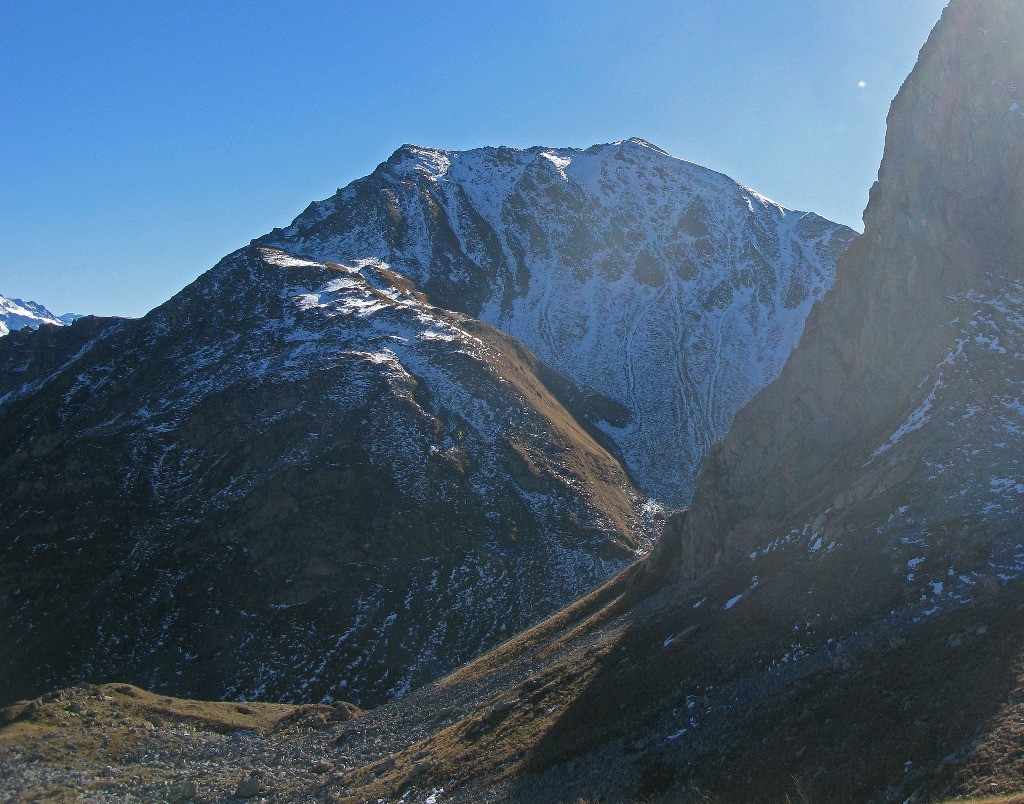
(623, 697)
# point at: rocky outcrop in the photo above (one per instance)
(287, 483)
(663, 285)
(894, 428)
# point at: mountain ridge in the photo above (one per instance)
(16, 314)
(664, 285)
(336, 451)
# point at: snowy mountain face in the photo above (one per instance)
(664, 286)
(16, 314)
(331, 468)
(286, 483)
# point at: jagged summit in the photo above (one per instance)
(647, 144)
(410, 150)
(16, 313)
(666, 286)
(437, 162)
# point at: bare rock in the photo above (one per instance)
(250, 787)
(185, 790)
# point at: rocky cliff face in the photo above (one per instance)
(895, 427)
(287, 483)
(663, 285)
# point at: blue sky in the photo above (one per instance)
(140, 142)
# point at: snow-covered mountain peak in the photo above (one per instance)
(665, 285)
(16, 314)
(631, 171)
(647, 144)
(437, 162)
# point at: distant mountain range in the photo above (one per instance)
(16, 314)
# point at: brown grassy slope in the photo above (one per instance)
(583, 706)
(106, 716)
(606, 483)
(920, 711)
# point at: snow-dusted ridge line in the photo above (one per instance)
(665, 286)
(16, 314)
(435, 495)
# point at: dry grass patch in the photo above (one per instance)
(105, 722)
(1015, 799)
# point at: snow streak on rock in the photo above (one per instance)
(661, 284)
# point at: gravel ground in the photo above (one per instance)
(120, 743)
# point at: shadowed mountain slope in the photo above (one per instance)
(287, 483)
(896, 424)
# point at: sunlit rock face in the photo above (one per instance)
(665, 286)
(893, 436)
